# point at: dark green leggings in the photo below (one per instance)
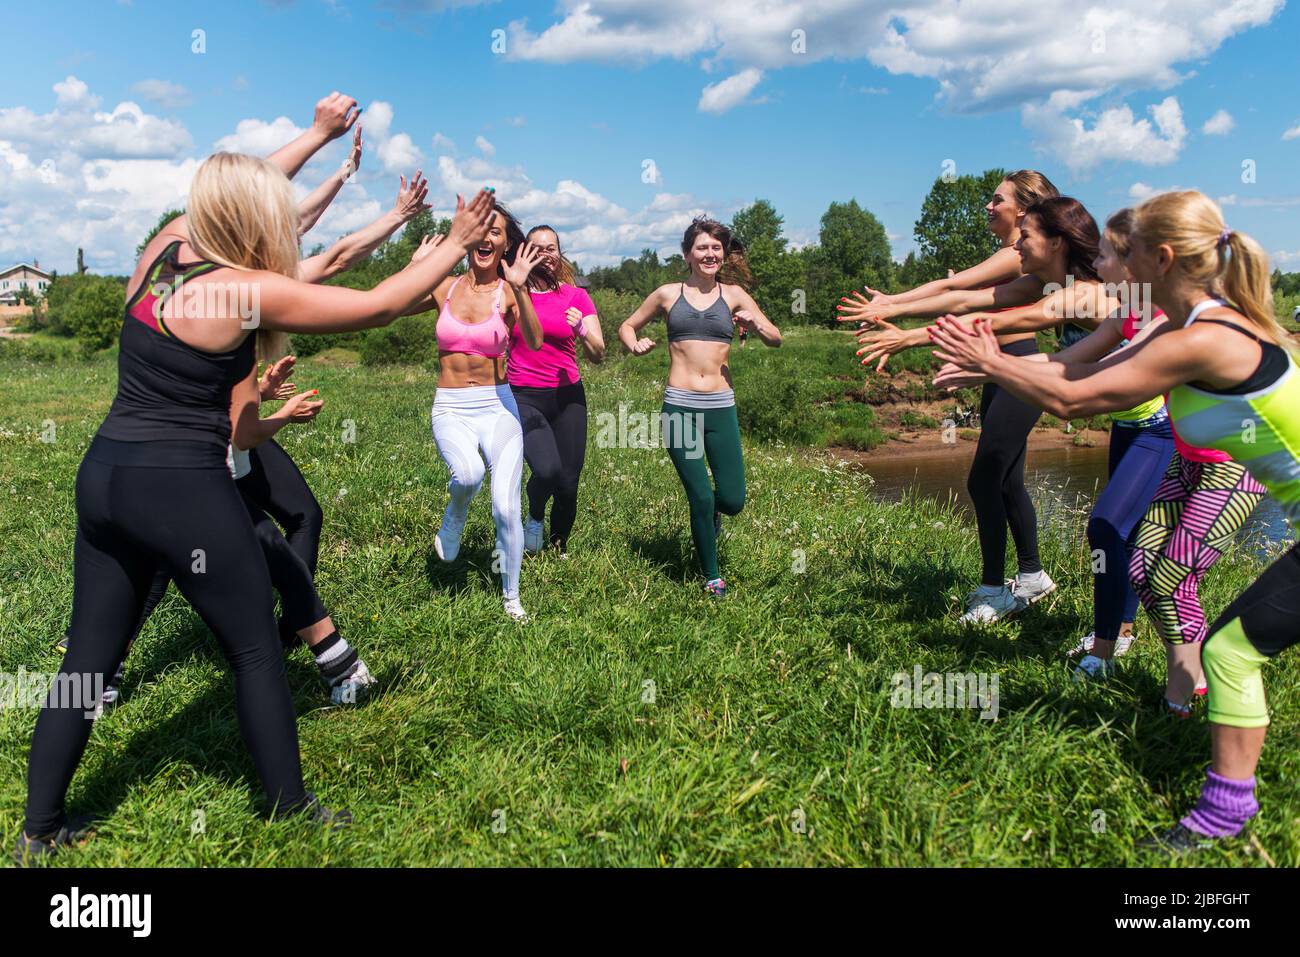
(719, 446)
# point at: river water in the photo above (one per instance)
(1062, 481)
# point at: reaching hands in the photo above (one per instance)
(335, 115)
(527, 258)
(427, 245)
(273, 384)
(881, 342)
(353, 162)
(470, 225)
(863, 310)
(969, 347)
(410, 199)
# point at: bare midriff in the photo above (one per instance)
(699, 365)
(461, 370)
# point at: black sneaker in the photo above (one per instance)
(318, 813)
(34, 850)
(1179, 839)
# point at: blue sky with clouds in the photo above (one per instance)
(105, 108)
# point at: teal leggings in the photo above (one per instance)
(694, 437)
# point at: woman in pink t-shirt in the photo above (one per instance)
(549, 393)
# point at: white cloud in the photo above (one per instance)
(397, 152)
(1116, 135)
(731, 92)
(1292, 134)
(516, 121)
(1140, 191)
(443, 144)
(1283, 258)
(484, 147)
(170, 96)
(595, 230)
(73, 93)
(258, 137)
(1220, 124)
(982, 54)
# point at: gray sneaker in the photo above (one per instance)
(1032, 588)
(984, 608)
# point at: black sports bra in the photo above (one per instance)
(1273, 363)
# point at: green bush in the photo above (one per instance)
(409, 339)
(309, 345)
(94, 312)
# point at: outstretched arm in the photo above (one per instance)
(1003, 266)
(335, 115)
(311, 208)
(354, 247)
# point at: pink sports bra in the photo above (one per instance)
(487, 338)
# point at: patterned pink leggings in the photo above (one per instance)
(1197, 509)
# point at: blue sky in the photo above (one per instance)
(726, 99)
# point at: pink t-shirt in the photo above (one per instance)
(556, 362)
(1189, 452)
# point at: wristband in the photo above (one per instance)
(580, 330)
(347, 169)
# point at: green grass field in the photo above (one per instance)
(632, 722)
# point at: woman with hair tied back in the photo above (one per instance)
(154, 489)
(703, 314)
(1227, 368)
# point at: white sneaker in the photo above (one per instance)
(1093, 667)
(447, 542)
(1032, 588)
(1122, 645)
(515, 610)
(352, 688)
(987, 604)
(532, 536)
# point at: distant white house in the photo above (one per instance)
(23, 276)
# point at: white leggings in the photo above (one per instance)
(485, 418)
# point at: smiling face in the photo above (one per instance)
(706, 256)
(487, 254)
(1002, 210)
(549, 245)
(1037, 250)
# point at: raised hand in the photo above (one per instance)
(410, 199)
(427, 245)
(469, 226)
(573, 316)
(860, 309)
(353, 162)
(527, 258)
(335, 115)
(642, 346)
(973, 348)
(273, 384)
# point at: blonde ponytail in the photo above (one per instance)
(1225, 262)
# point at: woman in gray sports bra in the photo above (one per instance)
(699, 411)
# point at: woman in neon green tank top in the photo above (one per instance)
(1233, 386)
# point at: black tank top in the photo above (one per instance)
(167, 390)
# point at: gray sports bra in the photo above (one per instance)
(714, 324)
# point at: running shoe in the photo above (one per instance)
(988, 604)
(1122, 645)
(33, 850)
(318, 813)
(1175, 710)
(354, 687)
(515, 610)
(1092, 667)
(447, 542)
(1032, 588)
(716, 587)
(1179, 839)
(532, 535)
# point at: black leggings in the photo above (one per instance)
(997, 478)
(131, 520)
(276, 487)
(555, 447)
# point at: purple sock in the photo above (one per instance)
(1224, 808)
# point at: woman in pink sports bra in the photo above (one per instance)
(475, 417)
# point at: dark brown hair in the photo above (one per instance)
(1066, 218)
(735, 270)
(541, 275)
